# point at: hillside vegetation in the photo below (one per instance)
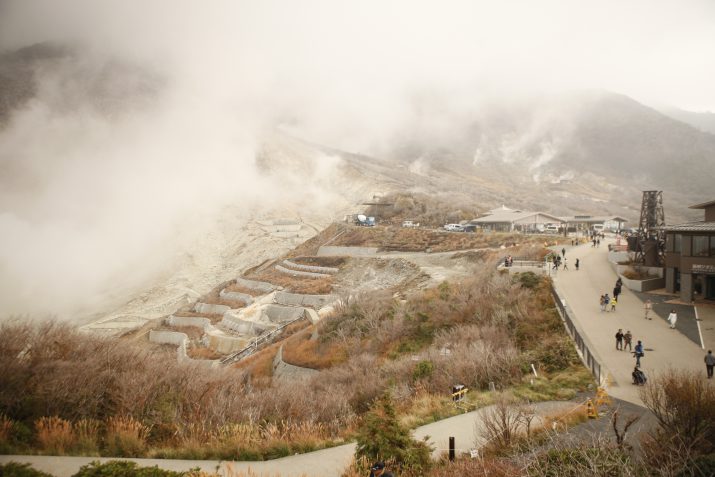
(66, 392)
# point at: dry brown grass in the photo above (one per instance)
(54, 435)
(202, 353)
(234, 287)
(302, 350)
(214, 317)
(260, 365)
(335, 262)
(6, 425)
(305, 285)
(126, 436)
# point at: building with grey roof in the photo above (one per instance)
(504, 219)
(690, 257)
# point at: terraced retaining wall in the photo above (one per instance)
(295, 299)
(236, 296)
(297, 273)
(331, 251)
(281, 314)
(310, 268)
(209, 308)
(180, 340)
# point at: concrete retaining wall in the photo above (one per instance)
(281, 314)
(236, 296)
(310, 268)
(180, 340)
(245, 327)
(295, 299)
(328, 251)
(283, 370)
(297, 273)
(189, 321)
(209, 308)
(263, 287)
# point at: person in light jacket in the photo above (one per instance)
(672, 319)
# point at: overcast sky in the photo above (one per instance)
(360, 53)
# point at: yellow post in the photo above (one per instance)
(602, 397)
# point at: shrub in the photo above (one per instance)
(126, 437)
(423, 369)
(527, 279)
(122, 468)
(382, 437)
(13, 469)
(54, 435)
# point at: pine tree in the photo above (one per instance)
(382, 437)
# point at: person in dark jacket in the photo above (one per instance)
(378, 470)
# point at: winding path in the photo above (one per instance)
(323, 463)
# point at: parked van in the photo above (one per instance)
(598, 228)
(551, 229)
(454, 228)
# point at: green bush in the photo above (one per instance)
(123, 468)
(13, 469)
(382, 437)
(527, 279)
(423, 369)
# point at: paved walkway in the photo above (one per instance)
(323, 463)
(664, 347)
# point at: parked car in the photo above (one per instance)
(551, 229)
(410, 224)
(454, 228)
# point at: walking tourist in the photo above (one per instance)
(648, 307)
(566, 264)
(607, 299)
(619, 339)
(563, 252)
(614, 302)
(577, 264)
(710, 363)
(602, 302)
(627, 340)
(672, 318)
(638, 353)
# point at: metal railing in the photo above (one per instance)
(586, 356)
(522, 262)
(260, 340)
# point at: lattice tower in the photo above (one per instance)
(651, 236)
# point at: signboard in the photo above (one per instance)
(702, 268)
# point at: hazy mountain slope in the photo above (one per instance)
(705, 121)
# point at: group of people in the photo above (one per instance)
(607, 301)
(508, 261)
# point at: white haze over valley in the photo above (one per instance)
(95, 199)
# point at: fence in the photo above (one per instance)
(586, 356)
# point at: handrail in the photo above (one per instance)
(253, 347)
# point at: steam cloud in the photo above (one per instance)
(89, 195)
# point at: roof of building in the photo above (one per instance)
(704, 205)
(509, 216)
(691, 227)
(594, 219)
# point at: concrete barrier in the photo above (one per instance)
(296, 299)
(263, 287)
(196, 321)
(284, 371)
(209, 308)
(181, 341)
(281, 314)
(330, 251)
(297, 273)
(657, 281)
(236, 296)
(245, 327)
(310, 268)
